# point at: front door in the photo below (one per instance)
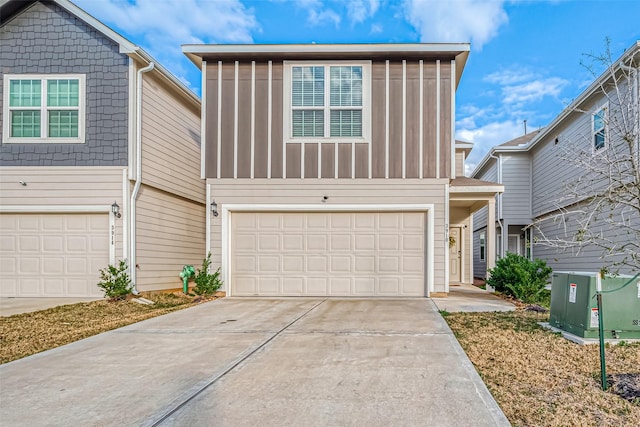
(455, 254)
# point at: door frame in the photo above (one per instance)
(517, 236)
(228, 209)
(462, 251)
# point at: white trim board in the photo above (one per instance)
(227, 209)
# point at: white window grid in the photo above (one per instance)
(44, 109)
(327, 108)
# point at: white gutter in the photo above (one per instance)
(136, 188)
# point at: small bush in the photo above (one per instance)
(207, 283)
(114, 281)
(517, 276)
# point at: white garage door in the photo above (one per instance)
(328, 254)
(52, 255)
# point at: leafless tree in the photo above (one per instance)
(600, 207)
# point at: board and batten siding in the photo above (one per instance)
(170, 142)
(360, 191)
(411, 132)
(516, 177)
(170, 234)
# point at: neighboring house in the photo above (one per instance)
(332, 168)
(535, 173)
(88, 128)
(510, 165)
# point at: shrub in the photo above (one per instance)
(207, 283)
(518, 276)
(115, 282)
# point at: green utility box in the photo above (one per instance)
(574, 308)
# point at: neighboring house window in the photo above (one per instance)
(482, 247)
(599, 129)
(325, 102)
(44, 108)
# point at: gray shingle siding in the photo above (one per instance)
(46, 39)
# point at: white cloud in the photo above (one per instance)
(319, 17)
(533, 91)
(510, 76)
(477, 21)
(486, 136)
(376, 29)
(164, 25)
(359, 10)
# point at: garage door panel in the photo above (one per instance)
(328, 254)
(341, 242)
(340, 286)
(57, 223)
(54, 287)
(389, 286)
(293, 263)
(269, 242)
(53, 265)
(268, 263)
(365, 286)
(53, 255)
(52, 244)
(293, 286)
(341, 264)
(317, 285)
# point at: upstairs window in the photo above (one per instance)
(43, 108)
(599, 129)
(327, 102)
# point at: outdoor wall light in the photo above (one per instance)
(214, 208)
(115, 209)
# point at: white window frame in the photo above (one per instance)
(482, 246)
(605, 129)
(287, 115)
(44, 117)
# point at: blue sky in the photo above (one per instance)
(525, 61)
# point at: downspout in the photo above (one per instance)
(499, 204)
(136, 188)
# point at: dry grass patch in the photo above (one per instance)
(22, 335)
(539, 378)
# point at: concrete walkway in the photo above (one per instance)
(11, 306)
(311, 362)
(469, 298)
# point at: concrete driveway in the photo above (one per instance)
(236, 362)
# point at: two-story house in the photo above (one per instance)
(510, 165)
(330, 169)
(99, 157)
(551, 175)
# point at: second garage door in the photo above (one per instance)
(328, 254)
(52, 255)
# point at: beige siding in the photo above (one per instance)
(60, 185)
(359, 191)
(170, 234)
(459, 163)
(170, 142)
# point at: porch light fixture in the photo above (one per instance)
(115, 210)
(214, 208)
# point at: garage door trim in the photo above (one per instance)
(228, 209)
(40, 209)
